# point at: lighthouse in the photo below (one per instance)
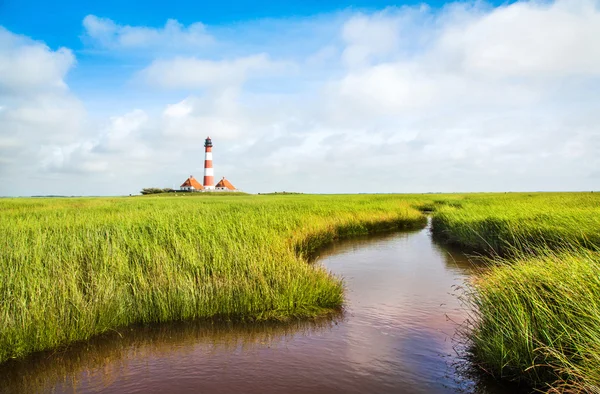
(192, 185)
(209, 175)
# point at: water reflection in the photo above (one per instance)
(396, 335)
(98, 364)
(404, 314)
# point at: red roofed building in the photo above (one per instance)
(191, 184)
(225, 185)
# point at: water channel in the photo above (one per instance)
(396, 335)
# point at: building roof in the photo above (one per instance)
(225, 183)
(191, 181)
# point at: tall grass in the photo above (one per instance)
(536, 311)
(537, 320)
(501, 223)
(73, 268)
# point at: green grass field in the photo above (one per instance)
(536, 311)
(509, 222)
(74, 268)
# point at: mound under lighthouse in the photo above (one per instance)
(209, 174)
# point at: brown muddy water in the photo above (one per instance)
(396, 335)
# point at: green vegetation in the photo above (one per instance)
(156, 190)
(537, 320)
(501, 223)
(273, 193)
(536, 311)
(74, 268)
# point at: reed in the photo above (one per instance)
(498, 223)
(536, 309)
(537, 320)
(74, 268)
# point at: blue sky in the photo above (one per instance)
(59, 23)
(107, 98)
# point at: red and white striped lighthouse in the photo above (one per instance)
(209, 175)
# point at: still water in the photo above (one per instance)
(396, 335)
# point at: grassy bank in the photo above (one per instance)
(501, 223)
(74, 268)
(537, 320)
(536, 311)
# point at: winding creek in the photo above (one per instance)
(396, 335)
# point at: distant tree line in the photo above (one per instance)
(156, 190)
(284, 192)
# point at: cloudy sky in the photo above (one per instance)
(300, 96)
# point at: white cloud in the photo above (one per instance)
(528, 39)
(121, 133)
(193, 73)
(105, 33)
(37, 107)
(469, 58)
(221, 114)
(119, 145)
(28, 66)
(178, 110)
(369, 35)
(72, 158)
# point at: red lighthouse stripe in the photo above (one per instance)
(209, 175)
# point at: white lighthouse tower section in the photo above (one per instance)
(209, 174)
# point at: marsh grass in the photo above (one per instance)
(536, 309)
(74, 268)
(537, 320)
(500, 224)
